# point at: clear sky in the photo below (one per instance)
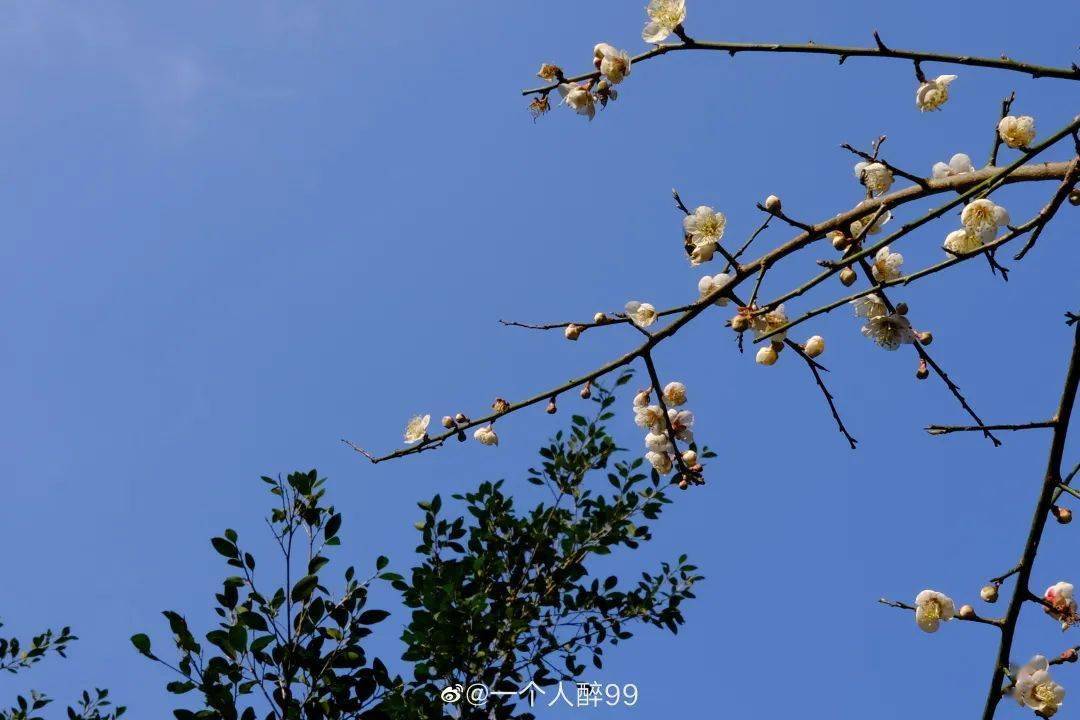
(235, 233)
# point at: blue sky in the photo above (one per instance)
(235, 233)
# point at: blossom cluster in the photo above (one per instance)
(660, 427)
(981, 221)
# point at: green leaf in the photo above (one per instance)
(224, 547)
(370, 617)
(304, 586)
(141, 643)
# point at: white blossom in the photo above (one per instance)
(674, 394)
(681, 422)
(889, 331)
(710, 283)
(1035, 689)
(614, 63)
(641, 399)
(705, 225)
(876, 177)
(658, 442)
(766, 323)
(856, 226)
(579, 99)
(650, 417)
(661, 462)
(664, 15)
(1017, 132)
(689, 458)
(814, 346)
(416, 428)
(1060, 597)
(959, 242)
(887, 265)
(703, 252)
(870, 306)
(983, 214)
(958, 164)
(932, 94)
(641, 314)
(485, 435)
(931, 609)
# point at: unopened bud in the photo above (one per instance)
(586, 391)
(683, 484)
(772, 203)
(967, 612)
(1069, 655)
(922, 373)
(689, 458)
(926, 338)
(447, 422)
(599, 318)
(500, 405)
(572, 332)
(551, 407)
(814, 346)
(901, 308)
(766, 355)
(1074, 197)
(989, 593)
(1062, 515)
(847, 277)
(460, 418)
(740, 323)
(840, 241)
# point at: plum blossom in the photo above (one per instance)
(960, 242)
(1060, 597)
(710, 283)
(856, 226)
(766, 355)
(887, 265)
(640, 313)
(814, 346)
(703, 252)
(958, 164)
(416, 429)
(1017, 132)
(1035, 689)
(641, 399)
(705, 225)
(932, 94)
(931, 609)
(681, 423)
(983, 214)
(876, 177)
(660, 461)
(658, 442)
(485, 435)
(579, 99)
(649, 416)
(870, 306)
(889, 331)
(614, 64)
(664, 16)
(674, 394)
(766, 323)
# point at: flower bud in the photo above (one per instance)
(460, 418)
(967, 612)
(922, 373)
(766, 355)
(1074, 197)
(847, 277)
(551, 407)
(683, 484)
(500, 405)
(599, 318)
(689, 458)
(740, 323)
(814, 346)
(901, 308)
(1069, 655)
(586, 391)
(926, 338)
(1062, 515)
(772, 203)
(989, 593)
(840, 241)
(572, 332)
(447, 422)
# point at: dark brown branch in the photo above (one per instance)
(1050, 484)
(1051, 207)
(669, 429)
(920, 181)
(1036, 71)
(1006, 104)
(948, 429)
